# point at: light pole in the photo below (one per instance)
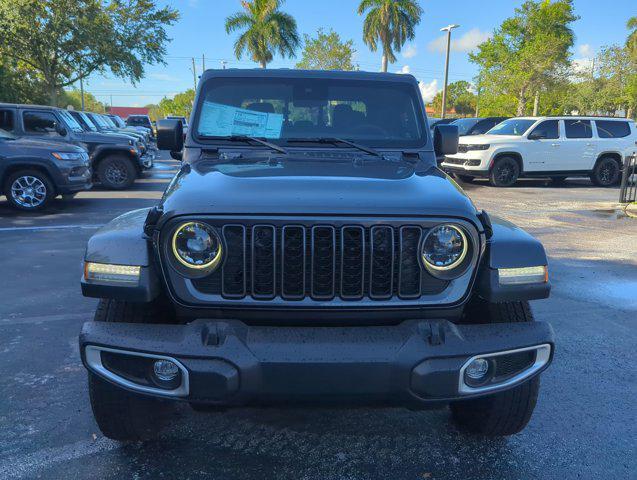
(448, 29)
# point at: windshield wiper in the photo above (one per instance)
(336, 140)
(245, 138)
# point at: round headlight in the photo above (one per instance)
(197, 245)
(444, 247)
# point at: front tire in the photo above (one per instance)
(122, 415)
(606, 172)
(505, 172)
(503, 413)
(29, 190)
(116, 172)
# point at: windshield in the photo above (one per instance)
(137, 121)
(513, 126)
(373, 113)
(118, 121)
(89, 123)
(108, 121)
(98, 119)
(4, 135)
(70, 121)
(465, 124)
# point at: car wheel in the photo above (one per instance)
(116, 172)
(505, 172)
(503, 413)
(122, 415)
(29, 190)
(606, 172)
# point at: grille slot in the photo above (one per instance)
(321, 262)
(263, 261)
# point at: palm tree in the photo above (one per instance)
(266, 30)
(631, 43)
(390, 22)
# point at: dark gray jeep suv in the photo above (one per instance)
(310, 251)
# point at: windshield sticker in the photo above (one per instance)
(219, 120)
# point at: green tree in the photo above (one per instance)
(19, 83)
(327, 52)
(74, 98)
(180, 105)
(528, 52)
(265, 29)
(460, 98)
(66, 40)
(390, 23)
(631, 42)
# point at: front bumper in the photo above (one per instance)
(416, 363)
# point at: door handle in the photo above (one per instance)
(555, 144)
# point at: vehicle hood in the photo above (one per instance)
(96, 137)
(482, 139)
(30, 145)
(309, 187)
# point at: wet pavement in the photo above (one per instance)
(584, 426)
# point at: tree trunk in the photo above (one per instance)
(53, 95)
(383, 65)
(521, 102)
(536, 103)
(629, 112)
(263, 63)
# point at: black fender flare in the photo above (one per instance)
(122, 241)
(510, 247)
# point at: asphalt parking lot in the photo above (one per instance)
(585, 425)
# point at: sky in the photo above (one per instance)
(200, 32)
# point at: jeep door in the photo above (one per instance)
(541, 150)
(579, 147)
(43, 124)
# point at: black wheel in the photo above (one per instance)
(507, 412)
(122, 415)
(29, 190)
(558, 180)
(606, 172)
(505, 172)
(464, 178)
(116, 172)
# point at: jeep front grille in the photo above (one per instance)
(320, 262)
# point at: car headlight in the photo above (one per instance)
(68, 155)
(444, 251)
(197, 246)
(484, 146)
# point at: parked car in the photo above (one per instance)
(183, 120)
(33, 172)
(554, 147)
(476, 126)
(438, 121)
(140, 121)
(115, 159)
(119, 123)
(309, 250)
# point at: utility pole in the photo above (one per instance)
(194, 74)
(448, 29)
(82, 90)
(203, 61)
(223, 64)
(478, 95)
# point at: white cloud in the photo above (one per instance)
(428, 90)
(465, 43)
(410, 51)
(585, 50)
(163, 77)
(405, 69)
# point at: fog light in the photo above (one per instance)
(477, 371)
(165, 370)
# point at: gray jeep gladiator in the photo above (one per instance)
(310, 251)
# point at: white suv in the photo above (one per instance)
(554, 147)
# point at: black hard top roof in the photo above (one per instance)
(309, 74)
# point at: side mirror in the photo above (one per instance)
(176, 155)
(446, 139)
(61, 131)
(170, 135)
(536, 136)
